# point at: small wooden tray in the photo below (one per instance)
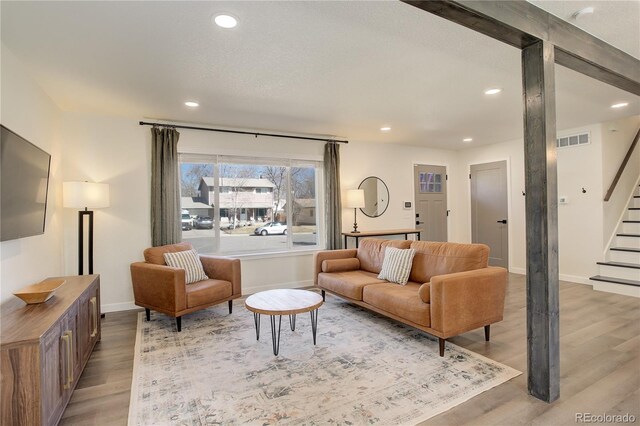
(39, 293)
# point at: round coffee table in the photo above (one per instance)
(283, 302)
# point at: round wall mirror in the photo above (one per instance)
(376, 196)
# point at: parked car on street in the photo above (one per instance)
(203, 222)
(271, 228)
(187, 222)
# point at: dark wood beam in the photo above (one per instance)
(520, 24)
(541, 205)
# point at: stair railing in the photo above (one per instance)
(622, 167)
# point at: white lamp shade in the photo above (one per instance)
(85, 194)
(355, 199)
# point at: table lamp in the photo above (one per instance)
(355, 201)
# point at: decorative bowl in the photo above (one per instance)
(41, 292)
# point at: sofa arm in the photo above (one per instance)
(321, 256)
(223, 268)
(159, 286)
(464, 301)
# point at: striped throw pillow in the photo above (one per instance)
(396, 265)
(190, 262)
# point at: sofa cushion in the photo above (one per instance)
(371, 252)
(396, 265)
(190, 262)
(402, 301)
(340, 265)
(155, 255)
(434, 258)
(348, 284)
(207, 291)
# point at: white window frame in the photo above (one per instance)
(216, 160)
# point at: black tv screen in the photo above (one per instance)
(24, 183)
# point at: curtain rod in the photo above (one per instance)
(239, 132)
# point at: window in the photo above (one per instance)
(258, 205)
(430, 182)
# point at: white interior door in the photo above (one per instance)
(489, 210)
(430, 188)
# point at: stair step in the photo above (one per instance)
(628, 235)
(620, 264)
(615, 280)
(629, 249)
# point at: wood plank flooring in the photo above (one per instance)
(599, 355)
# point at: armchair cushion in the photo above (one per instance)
(340, 265)
(206, 292)
(190, 262)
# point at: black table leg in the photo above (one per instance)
(314, 324)
(275, 339)
(256, 321)
(292, 322)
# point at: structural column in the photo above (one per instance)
(543, 351)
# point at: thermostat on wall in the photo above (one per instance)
(407, 205)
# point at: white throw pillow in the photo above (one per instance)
(190, 262)
(396, 266)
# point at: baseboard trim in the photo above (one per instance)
(128, 306)
(117, 307)
(563, 277)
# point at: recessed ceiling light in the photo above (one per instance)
(586, 11)
(492, 91)
(620, 105)
(225, 21)
(192, 104)
(385, 129)
(467, 140)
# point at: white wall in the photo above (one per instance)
(394, 165)
(28, 111)
(616, 139)
(579, 221)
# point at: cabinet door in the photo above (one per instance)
(88, 322)
(55, 364)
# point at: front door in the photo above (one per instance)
(430, 188)
(489, 210)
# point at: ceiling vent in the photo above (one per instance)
(573, 140)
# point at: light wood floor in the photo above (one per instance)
(600, 364)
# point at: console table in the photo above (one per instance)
(43, 350)
(389, 232)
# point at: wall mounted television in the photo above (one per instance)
(24, 183)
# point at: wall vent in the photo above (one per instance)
(573, 140)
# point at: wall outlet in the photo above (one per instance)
(407, 205)
(563, 199)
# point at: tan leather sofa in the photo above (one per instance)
(162, 288)
(451, 288)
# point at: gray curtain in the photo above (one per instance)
(333, 204)
(166, 225)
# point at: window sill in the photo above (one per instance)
(269, 255)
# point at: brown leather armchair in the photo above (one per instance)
(162, 288)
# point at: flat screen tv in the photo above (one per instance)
(24, 183)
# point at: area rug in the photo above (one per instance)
(365, 369)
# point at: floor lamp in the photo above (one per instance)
(355, 201)
(85, 195)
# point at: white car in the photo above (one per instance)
(271, 228)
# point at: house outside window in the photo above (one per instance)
(257, 205)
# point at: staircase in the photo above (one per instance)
(621, 274)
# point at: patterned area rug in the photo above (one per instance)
(365, 369)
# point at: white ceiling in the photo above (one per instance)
(332, 68)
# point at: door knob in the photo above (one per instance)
(502, 221)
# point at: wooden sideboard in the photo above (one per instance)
(43, 350)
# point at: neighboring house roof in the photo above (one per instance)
(192, 203)
(240, 182)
